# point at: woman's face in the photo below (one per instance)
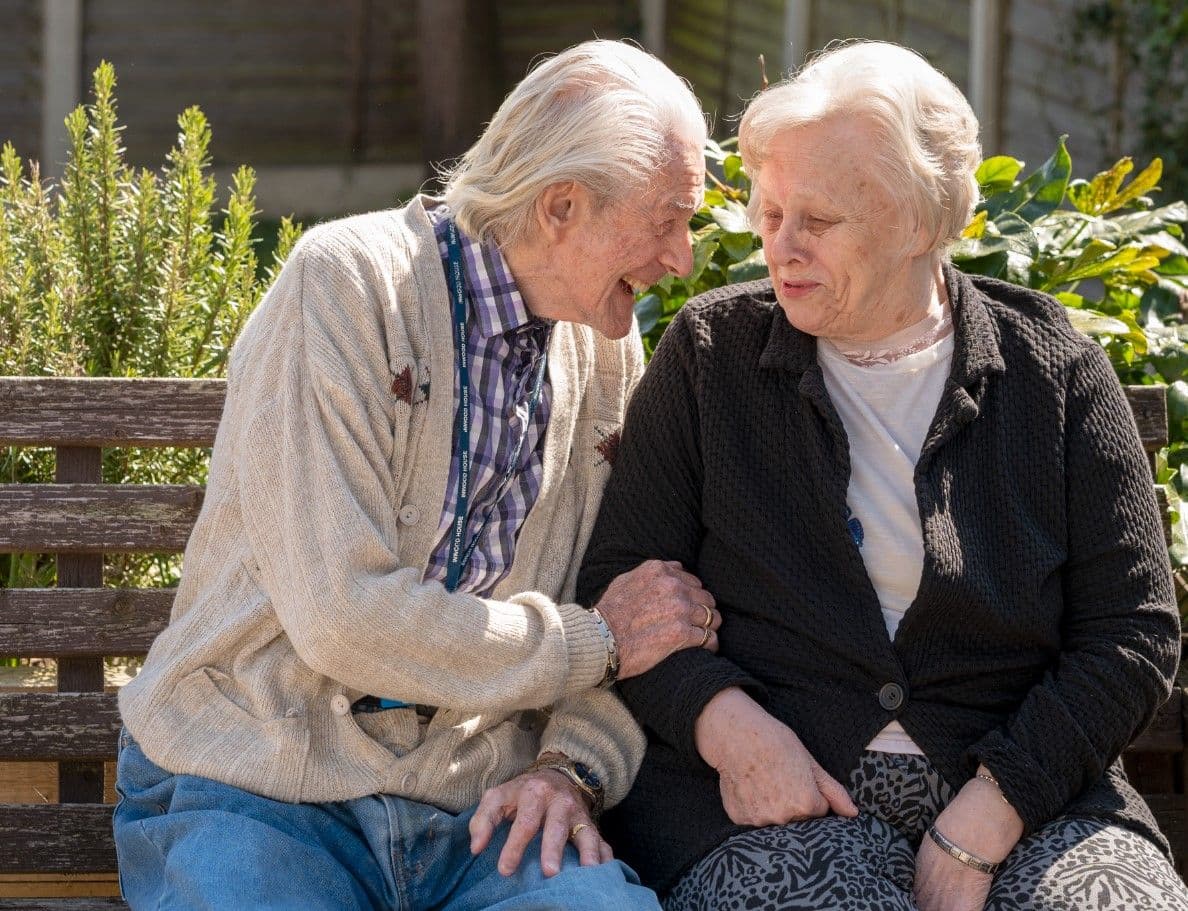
(844, 258)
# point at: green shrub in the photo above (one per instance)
(1116, 260)
(123, 272)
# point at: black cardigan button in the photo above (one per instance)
(891, 696)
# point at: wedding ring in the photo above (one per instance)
(574, 831)
(709, 617)
(705, 638)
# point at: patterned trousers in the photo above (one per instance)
(867, 863)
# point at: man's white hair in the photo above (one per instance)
(603, 114)
(926, 146)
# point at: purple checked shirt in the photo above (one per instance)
(505, 343)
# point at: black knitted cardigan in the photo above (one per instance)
(1044, 634)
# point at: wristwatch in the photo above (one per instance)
(584, 778)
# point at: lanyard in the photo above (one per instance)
(460, 551)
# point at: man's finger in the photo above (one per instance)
(489, 813)
(523, 830)
(605, 853)
(555, 836)
(589, 844)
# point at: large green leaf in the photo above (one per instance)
(997, 174)
(648, 310)
(751, 268)
(1041, 192)
(731, 217)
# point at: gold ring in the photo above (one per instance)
(574, 831)
(705, 638)
(709, 617)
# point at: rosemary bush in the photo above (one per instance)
(123, 272)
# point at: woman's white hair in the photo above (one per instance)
(926, 148)
(604, 114)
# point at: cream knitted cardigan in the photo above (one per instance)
(302, 584)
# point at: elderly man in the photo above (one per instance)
(376, 625)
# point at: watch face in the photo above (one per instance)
(587, 775)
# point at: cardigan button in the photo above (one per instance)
(340, 705)
(409, 514)
(891, 696)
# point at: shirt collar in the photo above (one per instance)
(498, 305)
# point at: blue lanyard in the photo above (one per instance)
(460, 551)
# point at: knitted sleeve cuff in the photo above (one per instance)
(669, 698)
(1023, 781)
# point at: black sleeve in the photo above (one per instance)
(652, 510)
(1120, 627)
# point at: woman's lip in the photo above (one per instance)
(796, 289)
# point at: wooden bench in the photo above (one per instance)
(63, 846)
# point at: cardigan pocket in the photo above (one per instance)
(221, 739)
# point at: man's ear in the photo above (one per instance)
(559, 207)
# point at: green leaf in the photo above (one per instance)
(714, 197)
(703, 252)
(752, 268)
(1091, 322)
(1144, 182)
(731, 218)
(997, 173)
(1041, 192)
(737, 246)
(648, 310)
(732, 167)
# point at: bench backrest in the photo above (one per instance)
(79, 519)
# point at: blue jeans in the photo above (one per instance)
(190, 842)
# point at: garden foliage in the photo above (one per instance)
(123, 272)
(1115, 259)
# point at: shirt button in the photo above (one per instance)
(340, 705)
(408, 782)
(891, 696)
(409, 514)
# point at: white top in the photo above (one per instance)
(886, 407)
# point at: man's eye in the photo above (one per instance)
(771, 217)
(666, 227)
(816, 223)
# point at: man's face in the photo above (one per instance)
(630, 244)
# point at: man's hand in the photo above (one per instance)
(657, 609)
(767, 776)
(979, 821)
(535, 800)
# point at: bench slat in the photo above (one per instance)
(1149, 404)
(59, 622)
(63, 904)
(97, 518)
(73, 411)
(47, 727)
(56, 838)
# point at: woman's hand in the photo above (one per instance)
(535, 800)
(657, 609)
(767, 776)
(979, 821)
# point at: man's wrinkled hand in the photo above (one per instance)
(542, 801)
(656, 609)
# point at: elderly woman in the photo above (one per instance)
(921, 505)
